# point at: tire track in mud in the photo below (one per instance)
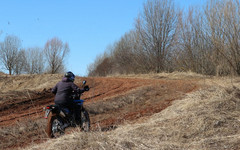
(26, 104)
(14, 111)
(142, 102)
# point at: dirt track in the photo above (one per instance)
(111, 101)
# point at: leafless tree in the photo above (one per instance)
(34, 61)
(193, 51)
(125, 53)
(92, 71)
(102, 66)
(156, 27)
(9, 52)
(223, 22)
(21, 62)
(56, 52)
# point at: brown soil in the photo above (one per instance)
(110, 102)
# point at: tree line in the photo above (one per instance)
(36, 60)
(166, 39)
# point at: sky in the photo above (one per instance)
(88, 26)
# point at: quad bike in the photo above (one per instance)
(61, 118)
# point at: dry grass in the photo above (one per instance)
(206, 119)
(173, 75)
(18, 135)
(31, 82)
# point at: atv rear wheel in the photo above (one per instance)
(49, 125)
(54, 126)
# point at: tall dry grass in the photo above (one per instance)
(23, 133)
(174, 75)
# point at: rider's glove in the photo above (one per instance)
(86, 88)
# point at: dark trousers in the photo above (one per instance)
(65, 106)
(73, 113)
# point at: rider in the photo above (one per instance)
(64, 90)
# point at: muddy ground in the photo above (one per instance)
(110, 102)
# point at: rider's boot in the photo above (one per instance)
(73, 120)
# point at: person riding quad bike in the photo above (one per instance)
(63, 95)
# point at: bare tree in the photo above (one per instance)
(34, 61)
(223, 22)
(9, 52)
(55, 52)
(193, 51)
(102, 66)
(21, 62)
(156, 27)
(124, 54)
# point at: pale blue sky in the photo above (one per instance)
(88, 26)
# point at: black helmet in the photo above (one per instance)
(70, 76)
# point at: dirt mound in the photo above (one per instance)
(110, 101)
